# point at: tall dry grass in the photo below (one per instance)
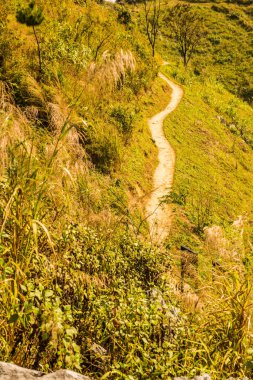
(110, 72)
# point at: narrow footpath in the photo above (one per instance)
(158, 213)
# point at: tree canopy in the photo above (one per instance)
(32, 15)
(187, 27)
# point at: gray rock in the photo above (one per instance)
(9, 371)
(221, 119)
(65, 374)
(205, 376)
(98, 350)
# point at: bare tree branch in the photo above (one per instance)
(152, 20)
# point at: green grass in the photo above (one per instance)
(214, 163)
(225, 52)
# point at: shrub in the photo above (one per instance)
(124, 16)
(125, 118)
(103, 148)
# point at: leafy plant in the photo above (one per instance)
(124, 16)
(125, 118)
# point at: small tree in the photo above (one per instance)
(124, 16)
(152, 18)
(187, 28)
(32, 15)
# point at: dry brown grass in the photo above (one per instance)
(226, 247)
(5, 97)
(110, 72)
(12, 132)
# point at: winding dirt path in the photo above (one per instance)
(159, 214)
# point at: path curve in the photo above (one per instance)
(159, 214)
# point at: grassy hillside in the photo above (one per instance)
(82, 287)
(214, 152)
(225, 53)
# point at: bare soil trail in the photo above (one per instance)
(158, 213)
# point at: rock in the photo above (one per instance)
(221, 119)
(10, 371)
(99, 351)
(205, 376)
(65, 374)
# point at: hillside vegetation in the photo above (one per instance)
(82, 286)
(225, 53)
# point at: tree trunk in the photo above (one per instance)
(39, 52)
(185, 60)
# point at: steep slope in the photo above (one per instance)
(225, 52)
(211, 132)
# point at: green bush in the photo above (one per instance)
(125, 118)
(103, 148)
(124, 16)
